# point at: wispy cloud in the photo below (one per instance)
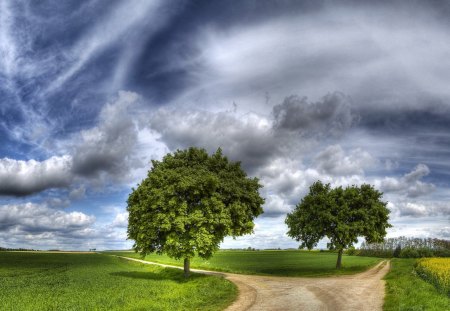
(8, 48)
(119, 28)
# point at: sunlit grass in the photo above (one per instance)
(283, 263)
(39, 281)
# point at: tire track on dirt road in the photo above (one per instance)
(363, 291)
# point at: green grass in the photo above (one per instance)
(406, 291)
(282, 263)
(43, 281)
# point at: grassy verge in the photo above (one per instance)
(39, 281)
(282, 263)
(406, 291)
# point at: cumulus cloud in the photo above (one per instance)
(37, 218)
(253, 138)
(443, 233)
(331, 116)
(41, 226)
(103, 152)
(20, 178)
(334, 161)
(121, 220)
(409, 184)
(109, 146)
(419, 209)
(245, 138)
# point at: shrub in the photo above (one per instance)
(352, 251)
(397, 251)
(409, 253)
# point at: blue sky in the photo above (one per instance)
(347, 92)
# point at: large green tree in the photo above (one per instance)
(340, 214)
(189, 202)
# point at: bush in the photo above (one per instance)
(409, 253)
(397, 251)
(352, 251)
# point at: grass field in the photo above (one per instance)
(407, 291)
(282, 263)
(43, 281)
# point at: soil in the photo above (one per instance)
(363, 291)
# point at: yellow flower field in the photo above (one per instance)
(436, 271)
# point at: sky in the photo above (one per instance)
(346, 92)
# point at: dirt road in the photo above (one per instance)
(363, 291)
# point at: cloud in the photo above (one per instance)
(19, 178)
(7, 43)
(246, 138)
(123, 21)
(420, 209)
(37, 218)
(330, 117)
(334, 161)
(121, 220)
(443, 233)
(253, 138)
(101, 154)
(109, 147)
(78, 193)
(38, 225)
(410, 184)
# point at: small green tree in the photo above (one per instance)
(340, 214)
(189, 202)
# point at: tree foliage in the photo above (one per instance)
(341, 215)
(189, 202)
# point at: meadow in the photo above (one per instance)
(405, 290)
(268, 262)
(68, 281)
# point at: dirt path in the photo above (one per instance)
(363, 291)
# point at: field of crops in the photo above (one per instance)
(59, 281)
(435, 271)
(282, 263)
(407, 291)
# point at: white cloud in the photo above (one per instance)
(334, 161)
(19, 177)
(104, 153)
(39, 226)
(418, 209)
(31, 217)
(409, 184)
(7, 44)
(121, 220)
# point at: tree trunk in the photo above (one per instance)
(186, 267)
(339, 259)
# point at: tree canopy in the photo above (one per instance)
(341, 215)
(189, 202)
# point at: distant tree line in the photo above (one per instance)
(404, 247)
(3, 249)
